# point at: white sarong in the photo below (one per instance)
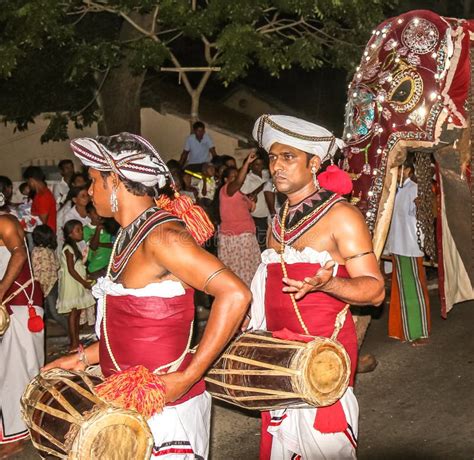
(182, 431)
(292, 430)
(21, 357)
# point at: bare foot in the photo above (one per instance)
(420, 342)
(11, 448)
(366, 363)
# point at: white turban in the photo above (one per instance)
(143, 165)
(297, 133)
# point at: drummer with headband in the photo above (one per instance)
(328, 256)
(22, 343)
(145, 303)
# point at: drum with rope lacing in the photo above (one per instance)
(67, 420)
(259, 371)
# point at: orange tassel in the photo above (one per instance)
(195, 218)
(135, 388)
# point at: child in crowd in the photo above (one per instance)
(45, 268)
(25, 191)
(187, 187)
(23, 211)
(76, 210)
(74, 287)
(100, 243)
(205, 183)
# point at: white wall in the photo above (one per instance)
(21, 149)
(254, 107)
(166, 132)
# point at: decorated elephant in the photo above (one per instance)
(411, 93)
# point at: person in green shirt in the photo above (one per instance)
(100, 242)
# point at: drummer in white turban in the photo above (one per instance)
(319, 259)
(301, 134)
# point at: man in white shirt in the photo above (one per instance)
(409, 316)
(199, 147)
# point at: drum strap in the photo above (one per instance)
(341, 316)
(21, 288)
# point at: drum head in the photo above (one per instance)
(326, 372)
(4, 319)
(111, 434)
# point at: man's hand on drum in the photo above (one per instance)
(310, 284)
(68, 362)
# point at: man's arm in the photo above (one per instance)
(12, 237)
(236, 185)
(193, 266)
(184, 157)
(270, 197)
(256, 191)
(270, 200)
(94, 241)
(74, 362)
(210, 143)
(365, 285)
(43, 218)
(40, 209)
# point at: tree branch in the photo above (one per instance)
(94, 98)
(172, 39)
(268, 30)
(184, 77)
(127, 18)
(154, 20)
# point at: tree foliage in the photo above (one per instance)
(65, 51)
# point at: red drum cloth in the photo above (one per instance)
(21, 298)
(148, 331)
(319, 310)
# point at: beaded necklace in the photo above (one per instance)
(285, 271)
(308, 213)
(129, 239)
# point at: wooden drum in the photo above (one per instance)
(258, 371)
(67, 420)
(4, 319)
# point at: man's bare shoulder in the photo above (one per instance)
(8, 223)
(345, 210)
(4, 218)
(169, 235)
(347, 222)
(10, 229)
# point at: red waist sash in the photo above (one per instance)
(319, 310)
(151, 331)
(21, 298)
